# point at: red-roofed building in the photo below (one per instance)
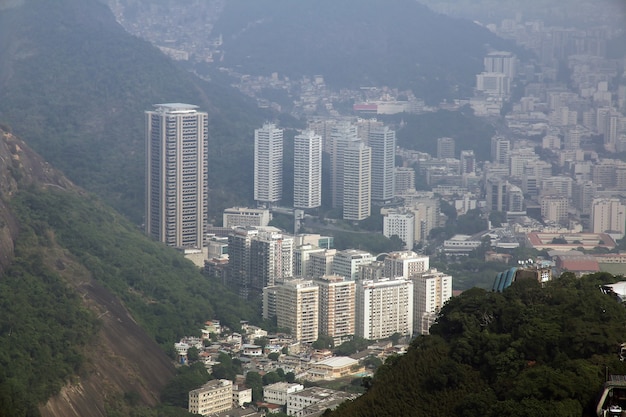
(578, 264)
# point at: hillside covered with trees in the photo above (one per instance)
(90, 306)
(74, 85)
(527, 351)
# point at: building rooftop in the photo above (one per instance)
(175, 107)
(338, 362)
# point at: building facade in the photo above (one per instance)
(405, 264)
(382, 140)
(346, 262)
(307, 170)
(342, 134)
(336, 309)
(297, 308)
(431, 291)
(213, 397)
(357, 177)
(401, 223)
(176, 174)
(608, 215)
(243, 216)
(268, 165)
(384, 307)
(445, 148)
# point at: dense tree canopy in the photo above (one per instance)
(526, 351)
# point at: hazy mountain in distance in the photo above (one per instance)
(74, 85)
(573, 13)
(353, 43)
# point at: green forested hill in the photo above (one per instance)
(529, 351)
(86, 299)
(74, 85)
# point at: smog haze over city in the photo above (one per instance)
(312, 207)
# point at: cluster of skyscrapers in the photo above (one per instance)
(400, 294)
(361, 166)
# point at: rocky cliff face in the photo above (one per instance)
(122, 360)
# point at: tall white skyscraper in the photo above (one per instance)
(268, 165)
(176, 174)
(382, 140)
(307, 170)
(342, 134)
(357, 174)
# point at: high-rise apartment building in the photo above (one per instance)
(321, 263)
(583, 193)
(382, 140)
(268, 165)
(365, 126)
(176, 174)
(468, 162)
(342, 134)
(258, 257)
(302, 260)
(239, 272)
(404, 180)
(357, 175)
(346, 262)
(307, 170)
(336, 310)
(608, 215)
(554, 208)
(500, 149)
(502, 62)
(445, 148)
(405, 264)
(400, 222)
(297, 308)
(384, 307)
(271, 259)
(431, 290)
(493, 83)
